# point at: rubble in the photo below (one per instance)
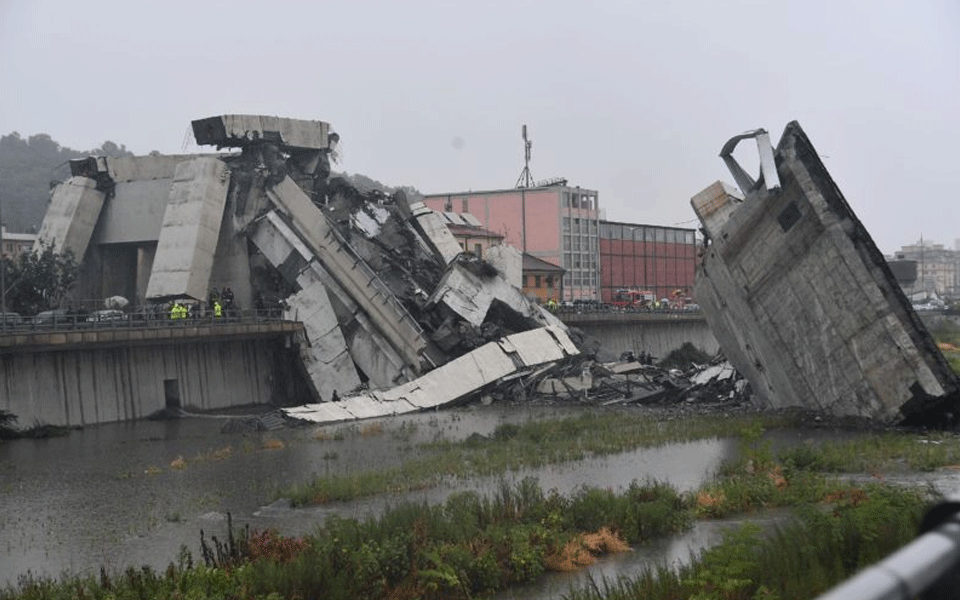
(396, 317)
(801, 300)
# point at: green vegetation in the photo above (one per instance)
(39, 280)
(466, 546)
(532, 444)
(472, 545)
(800, 560)
(947, 335)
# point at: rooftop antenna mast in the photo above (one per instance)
(526, 179)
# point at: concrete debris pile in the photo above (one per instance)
(393, 310)
(717, 383)
(577, 379)
(801, 300)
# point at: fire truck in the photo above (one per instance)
(633, 299)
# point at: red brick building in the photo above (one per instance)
(646, 257)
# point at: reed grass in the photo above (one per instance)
(804, 558)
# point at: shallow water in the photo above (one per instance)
(127, 494)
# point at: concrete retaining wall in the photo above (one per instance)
(657, 336)
(98, 385)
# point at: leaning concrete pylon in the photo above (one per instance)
(803, 303)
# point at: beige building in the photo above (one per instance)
(938, 269)
(15, 244)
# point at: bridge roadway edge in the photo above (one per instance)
(84, 376)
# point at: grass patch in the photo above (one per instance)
(876, 453)
(805, 558)
(528, 445)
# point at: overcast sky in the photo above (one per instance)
(633, 99)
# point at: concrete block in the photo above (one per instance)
(72, 216)
(791, 287)
(190, 230)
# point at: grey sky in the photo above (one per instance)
(633, 99)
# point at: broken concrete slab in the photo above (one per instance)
(190, 230)
(434, 231)
(803, 303)
(238, 131)
(450, 383)
(366, 348)
(326, 356)
(71, 218)
(508, 261)
(471, 296)
(351, 272)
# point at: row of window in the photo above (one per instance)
(579, 225)
(581, 260)
(581, 199)
(615, 231)
(534, 281)
(579, 243)
(583, 279)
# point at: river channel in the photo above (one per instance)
(127, 494)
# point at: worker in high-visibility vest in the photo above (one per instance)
(217, 309)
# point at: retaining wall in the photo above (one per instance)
(98, 385)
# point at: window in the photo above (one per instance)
(566, 223)
(536, 281)
(478, 249)
(550, 281)
(466, 204)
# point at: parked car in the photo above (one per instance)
(10, 318)
(57, 315)
(107, 314)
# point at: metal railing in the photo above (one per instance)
(591, 307)
(138, 319)
(928, 567)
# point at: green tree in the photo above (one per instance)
(39, 280)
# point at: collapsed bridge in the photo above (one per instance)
(383, 290)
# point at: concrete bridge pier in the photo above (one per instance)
(654, 333)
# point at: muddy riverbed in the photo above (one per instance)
(133, 493)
